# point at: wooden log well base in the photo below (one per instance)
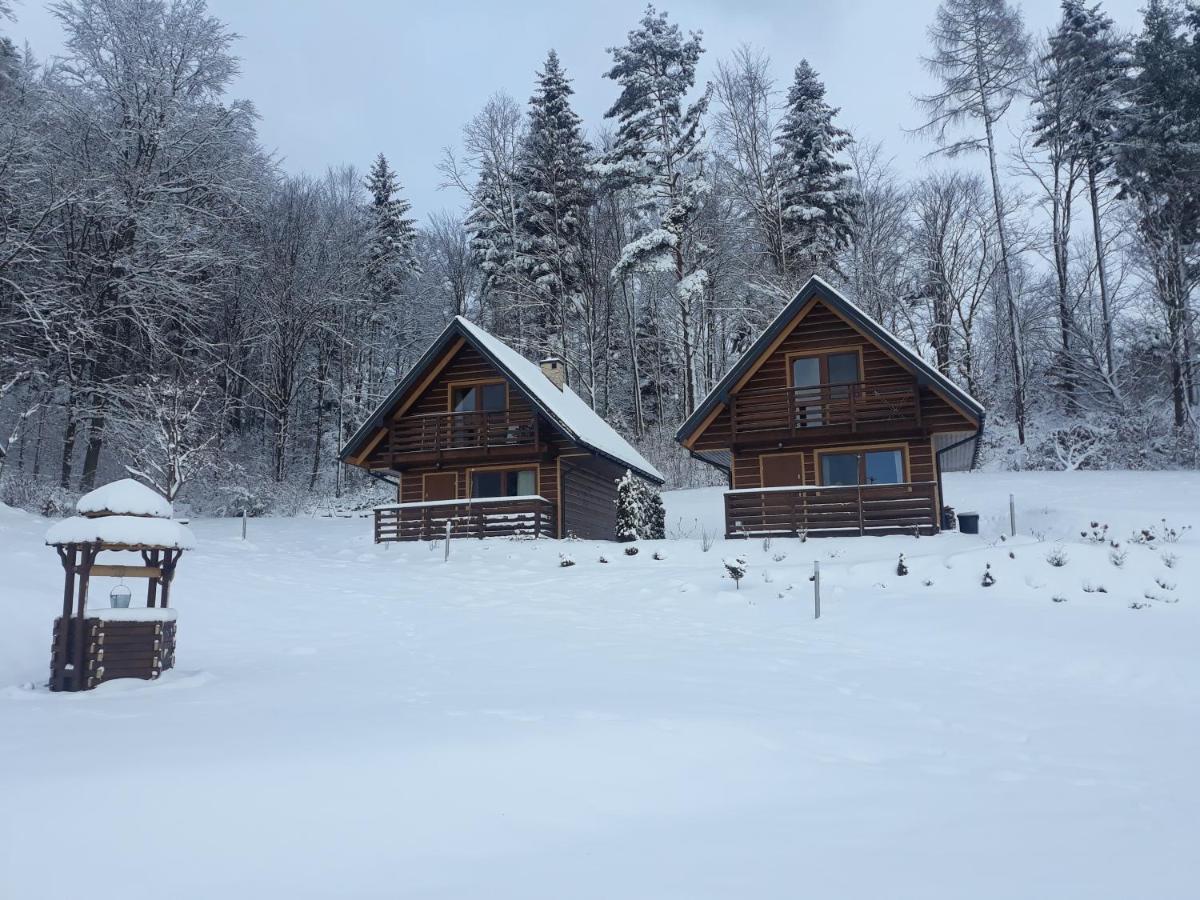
(126, 643)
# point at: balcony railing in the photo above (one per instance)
(480, 518)
(437, 432)
(829, 511)
(857, 406)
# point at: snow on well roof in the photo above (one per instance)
(125, 497)
(129, 531)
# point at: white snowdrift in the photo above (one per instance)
(362, 721)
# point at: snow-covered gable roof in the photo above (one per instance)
(125, 497)
(817, 286)
(564, 408)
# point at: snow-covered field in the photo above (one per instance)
(356, 721)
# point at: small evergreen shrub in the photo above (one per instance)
(736, 569)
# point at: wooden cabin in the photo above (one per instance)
(483, 442)
(830, 425)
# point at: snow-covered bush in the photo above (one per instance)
(1057, 557)
(1170, 560)
(901, 568)
(988, 578)
(658, 554)
(1117, 556)
(736, 569)
(1095, 533)
(640, 510)
(566, 560)
(602, 559)
(631, 551)
(22, 491)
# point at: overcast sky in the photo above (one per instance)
(338, 82)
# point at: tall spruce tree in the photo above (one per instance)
(1059, 172)
(552, 181)
(658, 153)
(1158, 162)
(816, 196)
(1091, 64)
(391, 237)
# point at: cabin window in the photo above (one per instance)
(862, 467)
(504, 483)
(491, 397)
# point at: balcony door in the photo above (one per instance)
(821, 384)
(465, 399)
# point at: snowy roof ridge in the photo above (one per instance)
(570, 411)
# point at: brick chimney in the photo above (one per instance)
(555, 369)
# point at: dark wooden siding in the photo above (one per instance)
(822, 329)
(747, 473)
(589, 497)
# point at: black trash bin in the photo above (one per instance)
(968, 523)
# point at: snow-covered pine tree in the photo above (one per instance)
(552, 181)
(390, 258)
(736, 569)
(1058, 170)
(392, 234)
(630, 510)
(654, 525)
(816, 196)
(492, 141)
(1157, 162)
(658, 153)
(1094, 65)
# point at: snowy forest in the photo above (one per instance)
(175, 305)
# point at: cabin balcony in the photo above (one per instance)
(462, 435)
(771, 415)
(479, 518)
(907, 508)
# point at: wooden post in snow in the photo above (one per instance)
(816, 589)
(446, 552)
(243, 524)
(1012, 516)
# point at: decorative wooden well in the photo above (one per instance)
(93, 644)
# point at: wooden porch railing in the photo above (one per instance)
(832, 511)
(463, 430)
(857, 406)
(485, 517)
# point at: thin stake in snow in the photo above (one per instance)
(816, 588)
(446, 551)
(1012, 515)
(243, 524)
